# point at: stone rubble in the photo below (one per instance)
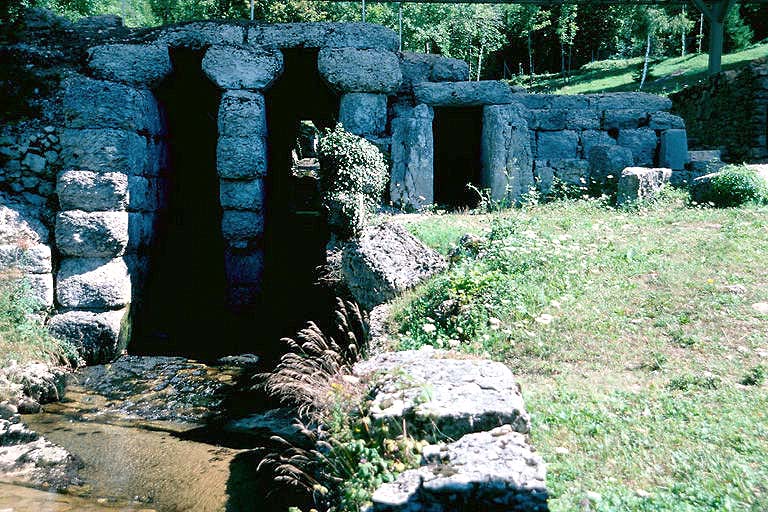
(640, 184)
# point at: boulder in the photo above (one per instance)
(665, 121)
(354, 70)
(412, 175)
(323, 35)
(507, 162)
(705, 161)
(496, 470)
(242, 194)
(429, 67)
(104, 150)
(463, 94)
(92, 191)
(466, 395)
(242, 114)
(605, 161)
(89, 103)
(561, 144)
(91, 234)
(242, 67)
(386, 261)
(93, 283)
(241, 157)
(640, 184)
(99, 337)
(673, 151)
(363, 113)
(642, 142)
(135, 64)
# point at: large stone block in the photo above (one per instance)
(429, 67)
(591, 138)
(89, 103)
(463, 94)
(242, 194)
(93, 283)
(20, 223)
(629, 100)
(242, 67)
(158, 158)
(354, 70)
(141, 231)
(242, 225)
(200, 34)
(143, 194)
(92, 191)
(242, 114)
(241, 157)
(573, 171)
(323, 35)
(551, 101)
(244, 267)
(548, 120)
(34, 259)
(665, 121)
(137, 64)
(624, 119)
(364, 113)
(640, 183)
(99, 337)
(642, 142)
(104, 150)
(562, 144)
(583, 119)
(386, 261)
(673, 151)
(91, 234)
(507, 162)
(544, 176)
(412, 180)
(705, 161)
(607, 162)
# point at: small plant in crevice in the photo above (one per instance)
(353, 174)
(346, 455)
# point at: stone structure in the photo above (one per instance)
(729, 112)
(97, 157)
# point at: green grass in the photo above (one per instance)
(642, 364)
(665, 76)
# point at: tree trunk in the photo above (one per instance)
(647, 58)
(479, 61)
(530, 57)
(701, 31)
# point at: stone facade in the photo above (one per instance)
(95, 164)
(729, 112)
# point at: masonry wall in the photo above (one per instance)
(728, 112)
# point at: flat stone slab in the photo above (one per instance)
(489, 471)
(435, 391)
(323, 35)
(463, 94)
(242, 67)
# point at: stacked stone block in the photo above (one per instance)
(109, 195)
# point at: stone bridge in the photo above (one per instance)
(205, 114)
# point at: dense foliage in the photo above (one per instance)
(736, 185)
(496, 40)
(353, 174)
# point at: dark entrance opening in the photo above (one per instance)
(182, 307)
(295, 231)
(457, 133)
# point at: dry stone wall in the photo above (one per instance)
(729, 112)
(97, 157)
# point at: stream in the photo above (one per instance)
(155, 434)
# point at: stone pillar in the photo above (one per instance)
(242, 165)
(507, 162)
(413, 172)
(108, 195)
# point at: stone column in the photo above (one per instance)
(413, 172)
(242, 165)
(507, 162)
(364, 114)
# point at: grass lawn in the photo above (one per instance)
(634, 336)
(665, 76)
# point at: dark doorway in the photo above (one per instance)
(297, 105)
(457, 133)
(182, 310)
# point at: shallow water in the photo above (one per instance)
(148, 431)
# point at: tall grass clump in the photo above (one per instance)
(736, 185)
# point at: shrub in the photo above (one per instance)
(755, 376)
(353, 174)
(735, 185)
